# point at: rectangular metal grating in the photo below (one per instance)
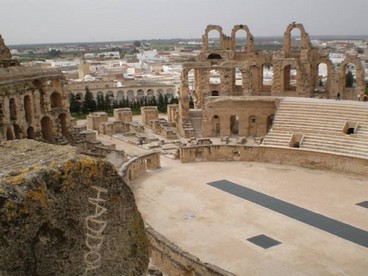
(263, 241)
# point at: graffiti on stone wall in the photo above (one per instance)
(95, 226)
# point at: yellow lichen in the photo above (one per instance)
(39, 195)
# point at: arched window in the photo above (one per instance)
(290, 78)
(215, 77)
(28, 108)
(55, 100)
(12, 109)
(46, 129)
(322, 76)
(240, 40)
(140, 94)
(350, 75)
(214, 39)
(267, 77)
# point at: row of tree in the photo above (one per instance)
(105, 103)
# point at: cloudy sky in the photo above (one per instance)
(46, 21)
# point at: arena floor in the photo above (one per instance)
(216, 224)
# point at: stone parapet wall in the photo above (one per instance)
(136, 166)
(175, 262)
(287, 156)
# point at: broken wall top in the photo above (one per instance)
(4, 51)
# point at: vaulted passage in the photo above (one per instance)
(46, 127)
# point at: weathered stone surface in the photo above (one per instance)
(66, 214)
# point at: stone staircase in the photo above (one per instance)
(196, 120)
(322, 124)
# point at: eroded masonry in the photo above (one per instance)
(219, 105)
(33, 103)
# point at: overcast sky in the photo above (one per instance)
(46, 21)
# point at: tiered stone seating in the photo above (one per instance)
(322, 124)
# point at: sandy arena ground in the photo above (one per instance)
(214, 225)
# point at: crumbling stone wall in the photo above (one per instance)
(249, 63)
(33, 103)
(66, 214)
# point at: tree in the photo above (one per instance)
(161, 103)
(349, 79)
(75, 103)
(137, 44)
(89, 104)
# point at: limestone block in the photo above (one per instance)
(66, 214)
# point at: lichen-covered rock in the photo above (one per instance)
(66, 214)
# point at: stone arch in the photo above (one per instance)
(290, 75)
(130, 95)
(63, 124)
(17, 131)
(252, 126)
(9, 133)
(216, 126)
(170, 92)
(110, 95)
(55, 100)
(140, 93)
(238, 77)
(150, 93)
(100, 93)
(358, 74)
(210, 28)
(12, 109)
(214, 56)
(79, 96)
(31, 133)
(234, 125)
(304, 37)
(120, 95)
(46, 129)
(28, 108)
(248, 46)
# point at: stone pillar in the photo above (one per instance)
(94, 119)
(123, 114)
(149, 113)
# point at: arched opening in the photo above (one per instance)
(150, 93)
(238, 77)
(9, 134)
(192, 85)
(214, 56)
(30, 133)
(46, 129)
(170, 93)
(16, 131)
(120, 95)
(79, 96)
(216, 126)
(322, 75)
(234, 125)
(290, 75)
(140, 94)
(270, 122)
(215, 93)
(55, 100)
(110, 95)
(63, 124)
(28, 108)
(214, 39)
(215, 77)
(240, 40)
(130, 95)
(12, 109)
(295, 41)
(267, 77)
(252, 126)
(350, 75)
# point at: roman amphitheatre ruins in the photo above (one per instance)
(257, 178)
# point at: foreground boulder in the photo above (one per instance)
(66, 214)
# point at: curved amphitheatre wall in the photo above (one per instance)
(173, 259)
(287, 156)
(165, 254)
